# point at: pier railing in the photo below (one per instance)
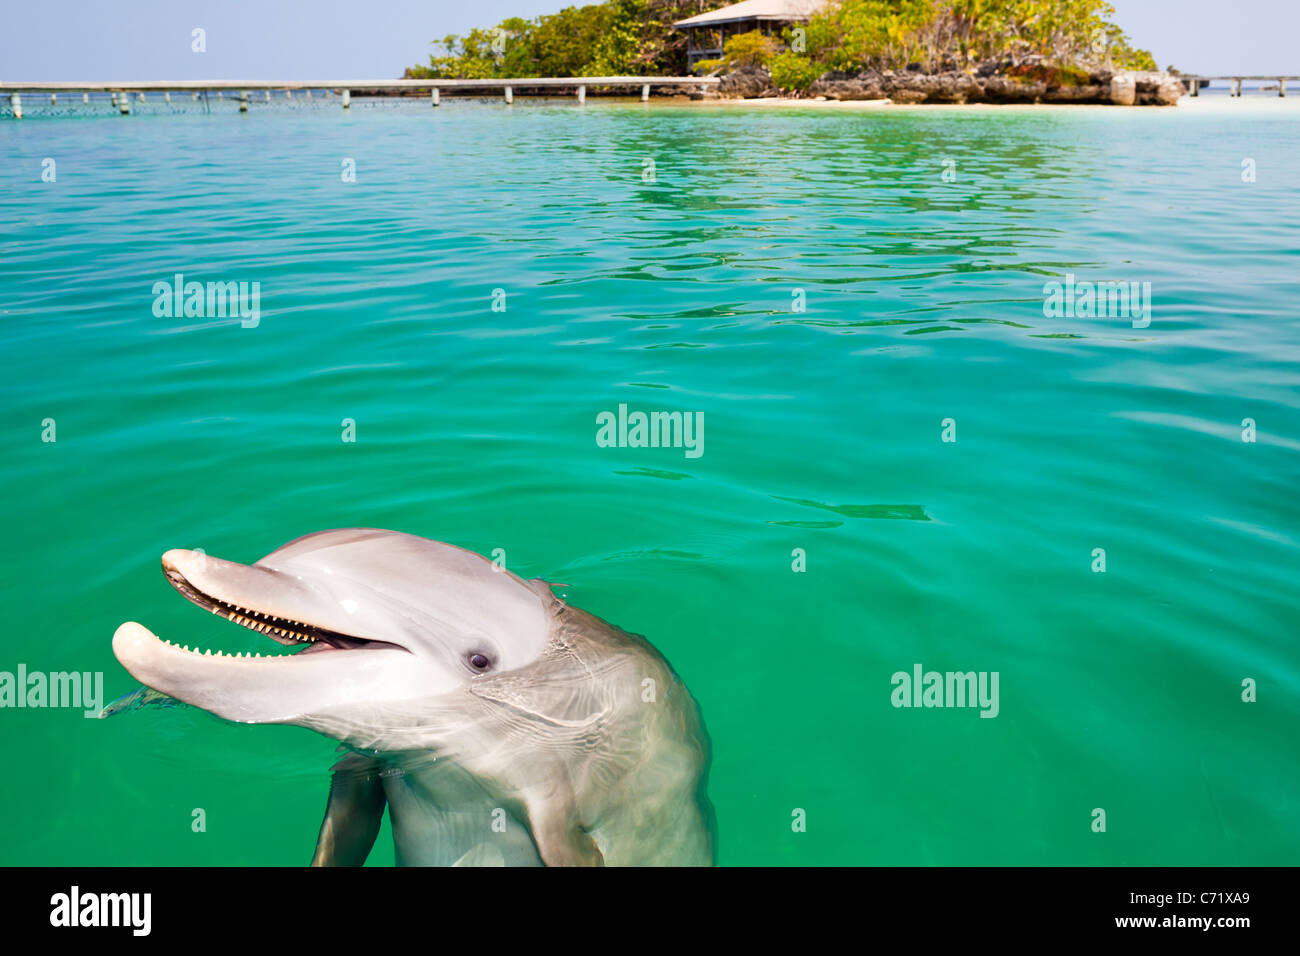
(122, 92)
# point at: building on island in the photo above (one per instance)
(707, 32)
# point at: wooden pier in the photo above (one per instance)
(1194, 82)
(121, 93)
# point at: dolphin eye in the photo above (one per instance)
(479, 662)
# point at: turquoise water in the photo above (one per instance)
(923, 301)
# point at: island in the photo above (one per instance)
(900, 51)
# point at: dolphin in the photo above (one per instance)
(497, 724)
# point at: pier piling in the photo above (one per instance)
(645, 92)
(16, 104)
(510, 95)
(582, 95)
(124, 104)
(433, 96)
(347, 99)
(243, 101)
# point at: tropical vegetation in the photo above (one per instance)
(626, 37)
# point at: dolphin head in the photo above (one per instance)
(383, 623)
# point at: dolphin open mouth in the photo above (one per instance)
(285, 630)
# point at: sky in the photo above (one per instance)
(322, 40)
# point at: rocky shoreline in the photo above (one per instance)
(1121, 88)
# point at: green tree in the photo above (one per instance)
(793, 71)
(748, 50)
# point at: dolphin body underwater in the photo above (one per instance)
(498, 725)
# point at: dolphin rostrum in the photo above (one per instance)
(496, 723)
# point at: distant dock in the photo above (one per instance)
(1194, 82)
(121, 93)
(241, 91)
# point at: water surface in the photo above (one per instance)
(674, 287)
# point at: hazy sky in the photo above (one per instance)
(345, 39)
